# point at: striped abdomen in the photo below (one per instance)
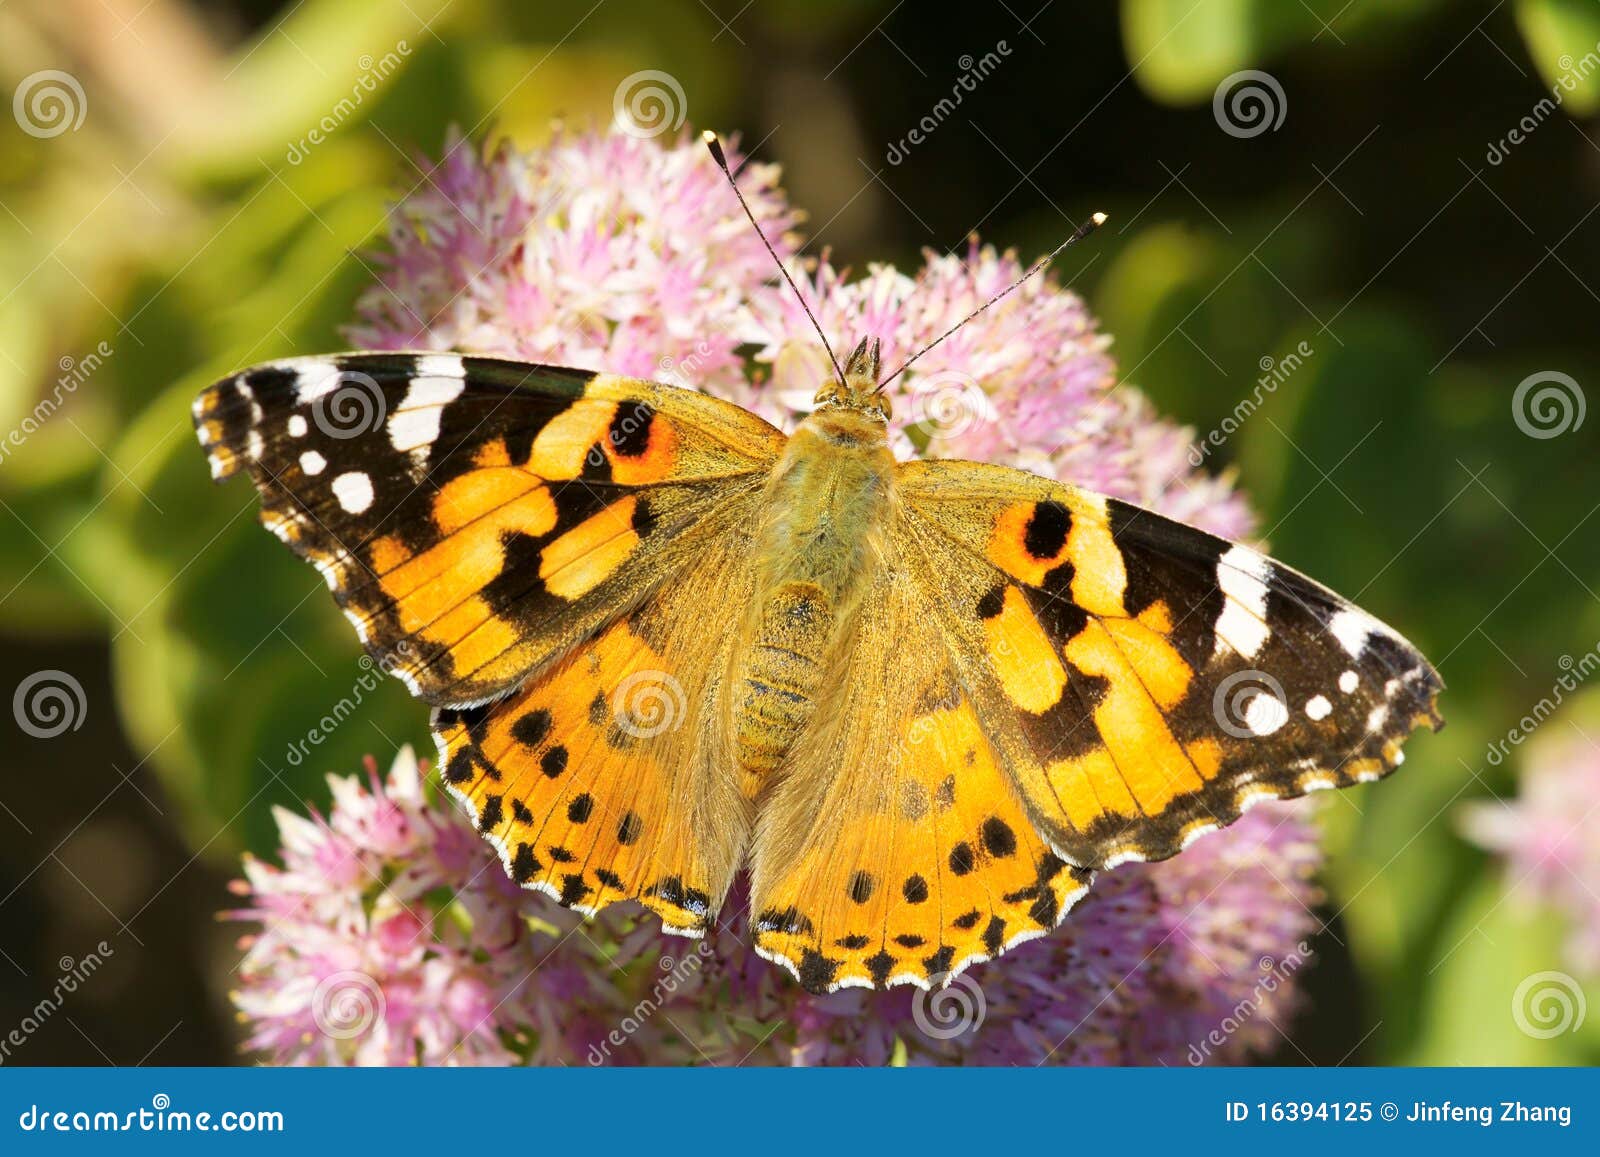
(780, 676)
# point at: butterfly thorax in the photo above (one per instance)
(821, 541)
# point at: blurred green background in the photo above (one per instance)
(183, 228)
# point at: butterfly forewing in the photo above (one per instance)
(476, 518)
(1147, 682)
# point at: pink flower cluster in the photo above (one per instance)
(1546, 834)
(390, 922)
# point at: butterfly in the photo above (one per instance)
(924, 701)
(921, 702)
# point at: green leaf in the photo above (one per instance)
(1564, 41)
(1181, 49)
(1500, 992)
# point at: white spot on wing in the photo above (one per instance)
(415, 424)
(314, 380)
(1349, 681)
(441, 366)
(312, 463)
(1318, 707)
(1352, 628)
(354, 492)
(1243, 574)
(1265, 713)
(297, 425)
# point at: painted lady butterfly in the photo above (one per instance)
(923, 701)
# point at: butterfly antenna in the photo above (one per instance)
(1078, 234)
(715, 146)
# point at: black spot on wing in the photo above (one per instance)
(629, 433)
(816, 971)
(525, 865)
(878, 966)
(790, 921)
(1047, 530)
(530, 729)
(998, 838)
(554, 761)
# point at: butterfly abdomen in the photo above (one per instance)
(781, 673)
(827, 502)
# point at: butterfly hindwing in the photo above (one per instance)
(599, 780)
(476, 518)
(894, 848)
(1145, 681)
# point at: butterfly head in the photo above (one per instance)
(859, 388)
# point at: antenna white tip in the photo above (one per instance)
(1099, 219)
